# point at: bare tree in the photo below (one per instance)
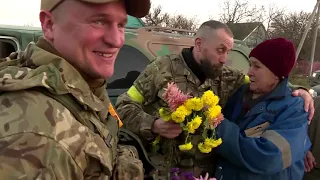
(270, 14)
(291, 26)
(236, 11)
(181, 22)
(157, 18)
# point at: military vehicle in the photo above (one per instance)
(142, 44)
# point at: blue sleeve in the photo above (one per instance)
(308, 144)
(281, 145)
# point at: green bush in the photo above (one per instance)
(299, 80)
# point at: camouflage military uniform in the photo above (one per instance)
(138, 108)
(40, 138)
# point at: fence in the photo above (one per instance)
(303, 67)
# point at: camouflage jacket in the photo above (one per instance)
(138, 108)
(39, 137)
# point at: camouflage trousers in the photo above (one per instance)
(195, 166)
(312, 175)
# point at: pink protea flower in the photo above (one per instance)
(174, 96)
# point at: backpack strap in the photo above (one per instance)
(125, 136)
(75, 109)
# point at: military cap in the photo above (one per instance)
(136, 8)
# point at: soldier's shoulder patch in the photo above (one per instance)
(114, 114)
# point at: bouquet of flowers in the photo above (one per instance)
(201, 114)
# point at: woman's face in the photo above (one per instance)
(262, 80)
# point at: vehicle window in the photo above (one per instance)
(129, 63)
(6, 49)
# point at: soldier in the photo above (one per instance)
(194, 70)
(56, 120)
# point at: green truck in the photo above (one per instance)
(142, 45)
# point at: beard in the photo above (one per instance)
(211, 71)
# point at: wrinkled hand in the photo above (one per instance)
(169, 129)
(308, 101)
(309, 162)
(205, 178)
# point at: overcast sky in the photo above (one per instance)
(21, 12)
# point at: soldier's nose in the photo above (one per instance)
(114, 37)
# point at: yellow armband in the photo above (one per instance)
(135, 95)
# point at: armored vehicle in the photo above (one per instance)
(142, 44)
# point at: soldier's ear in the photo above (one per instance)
(46, 19)
(198, 44)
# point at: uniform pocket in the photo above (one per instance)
(101, 151)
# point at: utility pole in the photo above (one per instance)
(314, 40)
(315, 14)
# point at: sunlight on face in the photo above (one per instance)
(90, 36)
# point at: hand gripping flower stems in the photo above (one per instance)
(194, 114)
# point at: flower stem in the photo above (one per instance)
(186, 141)
(213, 135)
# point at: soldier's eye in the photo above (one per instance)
(99, 22)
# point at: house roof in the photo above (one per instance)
(242, 30)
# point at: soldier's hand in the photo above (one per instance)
(308, 101)
(309, 162)
(205, 178)
(166, 129)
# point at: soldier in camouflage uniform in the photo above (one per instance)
(56, 120)
(195, 70)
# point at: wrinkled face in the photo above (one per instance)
(87, 35)
(262, 80)
(214, 51)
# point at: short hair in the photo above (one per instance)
(212, 25)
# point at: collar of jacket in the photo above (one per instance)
(184, 70)
(192, 64)
(57, 75)
(279, 92)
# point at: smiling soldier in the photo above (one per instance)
(56, 120)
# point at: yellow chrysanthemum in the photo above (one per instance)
(203, 148)
(194, 124)
(213, 112)
(212, 143)
(165, 115)
(209, 98)
(185, 147)
(195, 104)
(180, 114)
